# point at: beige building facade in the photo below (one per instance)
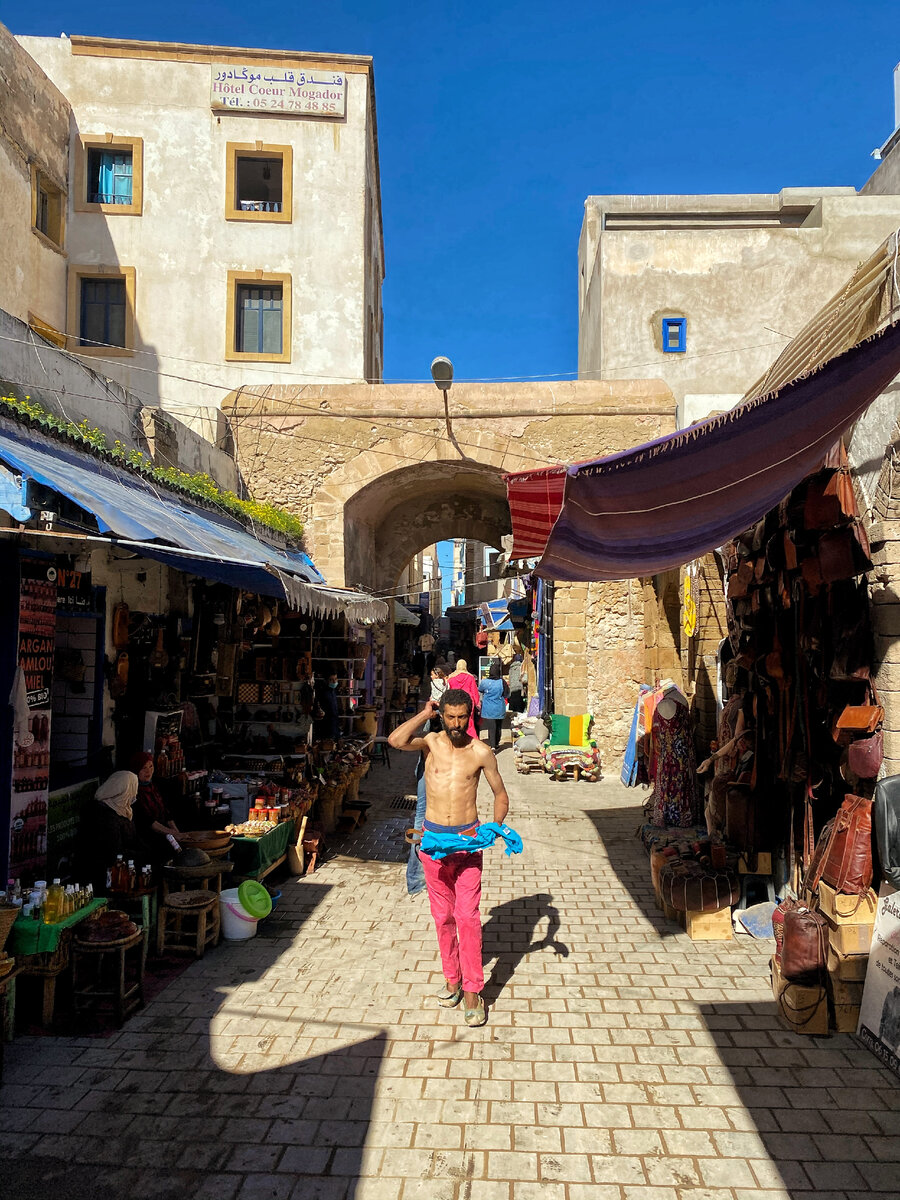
(34, 170)
(705, 291)
(223, 217)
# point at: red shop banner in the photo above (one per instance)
(32, 703)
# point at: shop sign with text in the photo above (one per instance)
(291, 92)
(31, 704)
(879, 1015)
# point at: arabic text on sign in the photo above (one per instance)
(292, 92)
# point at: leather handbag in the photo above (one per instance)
(805, 948)
(848, 861)
(841, 555)
(865, 755)
(830, 499)
(817, 858)
(887, 827)
(778, 916)
(857, 720)
(739, 582)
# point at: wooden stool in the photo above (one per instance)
(142, 905)
(99, 974)
(181, 909)
(378, 751)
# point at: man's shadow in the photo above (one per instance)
(509, 935)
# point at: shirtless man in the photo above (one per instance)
(454, 763)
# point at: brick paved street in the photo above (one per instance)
(621, 1060)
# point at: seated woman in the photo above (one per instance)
(109, 830)
(152, 817)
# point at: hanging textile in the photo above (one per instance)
(660, 505)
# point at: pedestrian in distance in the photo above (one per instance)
(463, 680)
(454, 763)
(493, 702)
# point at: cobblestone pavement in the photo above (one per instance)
(621, 1061)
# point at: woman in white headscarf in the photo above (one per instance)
(109, 830)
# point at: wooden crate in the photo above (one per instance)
(709, 926)
(852, 910)
(755, 864)
(802, 1008)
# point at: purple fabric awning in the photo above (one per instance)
(672, 500)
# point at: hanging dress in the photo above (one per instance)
(674, 802)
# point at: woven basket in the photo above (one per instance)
(8, 914)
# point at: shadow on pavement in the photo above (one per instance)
(508, 935)
(152, 1115)
(617, 829)
(823, 1107)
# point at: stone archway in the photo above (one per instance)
(392, 518)
(377, 475)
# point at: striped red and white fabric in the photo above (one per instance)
(535, 500)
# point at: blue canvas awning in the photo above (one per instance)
(494, 615)
(159, 523)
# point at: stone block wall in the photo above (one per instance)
(598, 658)
(885, 596)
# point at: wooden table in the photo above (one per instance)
(49, 963)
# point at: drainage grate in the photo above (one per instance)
(406, 803)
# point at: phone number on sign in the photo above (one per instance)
(268, 102)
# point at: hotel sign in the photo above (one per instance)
(314, 93)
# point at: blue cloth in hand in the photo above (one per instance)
(439, 845)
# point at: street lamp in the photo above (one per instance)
(442, 374)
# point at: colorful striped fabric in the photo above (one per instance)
(677, 498)
(535, 498)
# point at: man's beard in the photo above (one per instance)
(457, 733)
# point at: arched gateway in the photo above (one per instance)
(378, 472)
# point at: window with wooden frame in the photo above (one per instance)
(101, 310)
(258, 182)
(109, 175)
(258, 317)
(48, 208)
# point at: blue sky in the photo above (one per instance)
(496, 121)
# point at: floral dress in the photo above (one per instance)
(674, 799)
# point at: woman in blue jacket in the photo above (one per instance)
(493, 704)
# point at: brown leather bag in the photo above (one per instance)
(865, 755)
(848, 861)
(803, 954)
(857, 720)
(739, 582)
(781, 911)
(830, 498)
(817, 858)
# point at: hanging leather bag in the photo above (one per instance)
(858, 720)
(804, 951)
(865, 755)
(887, 827)
(830, 498)
(847, 866)
(817, 858)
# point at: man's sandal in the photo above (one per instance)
(476, 1016)
(449, 997)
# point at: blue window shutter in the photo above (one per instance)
(674, 335)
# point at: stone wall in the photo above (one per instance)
(34, 136)
(377, 477)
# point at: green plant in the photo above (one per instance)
(200, 485)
